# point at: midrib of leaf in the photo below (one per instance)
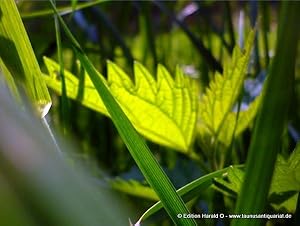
(164, 111)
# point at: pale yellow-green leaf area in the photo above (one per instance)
(216, 120)
(162, 110)
(235, 123)
(134, 188)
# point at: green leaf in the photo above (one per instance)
(231, 183)
(134, 188)
(215, 106)
(236, 123)
(137, 147)
(286, 181)
(163, 111)
(17, 58)
(287, 173)
(284, 187)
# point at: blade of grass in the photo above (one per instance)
(189, 191)
(136, 146)
(18, 56)
(74, 4)
(42, 188)
(62, 10)
(64, 100)
(271, 119)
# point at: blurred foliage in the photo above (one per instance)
(195, 36)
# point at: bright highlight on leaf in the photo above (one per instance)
(135, 188)
(216, 119)
(164, 111)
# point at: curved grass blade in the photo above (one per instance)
(190, 190)
(271, 119)
(62, 10)
(136, 146)
(18, 57)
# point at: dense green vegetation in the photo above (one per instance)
(171, 108)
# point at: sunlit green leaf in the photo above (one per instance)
(286, 180)
(164, 111)
(236, 123)
(135, 188)
(215, 106)
(231, 182)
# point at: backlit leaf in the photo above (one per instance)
(285, 183)
(135, 188)
(216, 119)
(164, 111)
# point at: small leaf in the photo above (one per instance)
(285, 183)
(215, 106)
(286, 179)
(135, 188)
(231, 182)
